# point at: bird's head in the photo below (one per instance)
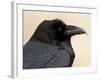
(62, 30)
(56, 30)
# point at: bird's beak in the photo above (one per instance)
(73, 30)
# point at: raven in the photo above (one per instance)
(50, 45)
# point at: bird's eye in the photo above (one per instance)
(59, 29)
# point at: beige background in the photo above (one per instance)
(80, 43)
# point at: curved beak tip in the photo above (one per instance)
(85, 33)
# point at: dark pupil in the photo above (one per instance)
(59, 29)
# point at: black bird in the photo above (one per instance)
(50, 45)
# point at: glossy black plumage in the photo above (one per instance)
(50, 45)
